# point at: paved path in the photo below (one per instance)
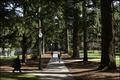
(55, 71)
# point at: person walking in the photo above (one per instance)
(16, 64)
(59, 56)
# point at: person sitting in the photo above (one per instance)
(16, 64)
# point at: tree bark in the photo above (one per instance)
(24, 51)
(76, 36)
(108, 56)
(66, 40)
(3, 50)
(85, 58)
(68, 13)
(75, 42)
(24, 48)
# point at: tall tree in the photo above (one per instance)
(108, 56)
(69, 19)
(85, 58)
(75, 33)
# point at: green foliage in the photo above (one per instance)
(116, 24)
(13, 25)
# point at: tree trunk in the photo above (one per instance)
(75, 34)
(24, 38)
(108, 56)
(85, 58)
(75, 42)
(24, 51)
(43, 45)
(3, 50)
(24, 48)
(67, 14)
(76, 37)
(66, 40)
(72, 21)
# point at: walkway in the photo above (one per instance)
(55, 70)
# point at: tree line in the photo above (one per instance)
(73, 24)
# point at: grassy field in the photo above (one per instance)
(97, 55)
(18, 76)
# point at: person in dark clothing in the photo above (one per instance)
(51, 54)
(16, 64)
(59, 55)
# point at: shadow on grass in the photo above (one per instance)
(88, 77)
(88, 71)
(78, 63)
(81, 64)
(33, 76)
(6, 65)
(17, 76)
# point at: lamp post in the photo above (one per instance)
(51, 47)
(40, 49)
(40, 40)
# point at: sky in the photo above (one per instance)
(18, 10)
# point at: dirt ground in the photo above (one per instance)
(79, 69)
(88, 70)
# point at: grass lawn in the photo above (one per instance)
(18, 76)
(97, 55)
